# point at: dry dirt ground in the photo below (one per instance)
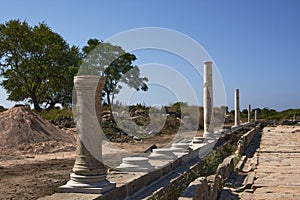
(33, 180)
(31, 176)
(29, 148)
(37, 157)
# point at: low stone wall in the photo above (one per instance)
(186, 169)
(173, 190)
(226, 167)
(245, 140)
(147, 179)
(208, 187)
(203, 188)
(141, 182)
(178, 184)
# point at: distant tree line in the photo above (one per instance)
(37, 65)
(269, 114)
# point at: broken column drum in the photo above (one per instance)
(180, 149)
(135, 164)
(197, 140)
(163, 154)
(89, 173)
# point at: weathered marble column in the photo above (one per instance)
(89, 173)
(249, 113)
(255, 115)
(207, 98)
(237, 107)
(294, 117)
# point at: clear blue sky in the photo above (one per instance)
(255, 44)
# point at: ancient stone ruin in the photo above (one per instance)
(179, 165)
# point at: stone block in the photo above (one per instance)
(202, 189)
(176, 164)
(240, 165)
(151, 177)
(135, 185)
(72, 196)
(197, 190)
(117, 193)
(166, 169)
(214, 186)
(226, 167)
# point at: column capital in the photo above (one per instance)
(208, 62)
(87, 83)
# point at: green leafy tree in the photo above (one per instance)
(37, 64)
(113, 63)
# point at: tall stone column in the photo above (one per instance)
(237, 107)
(294, 117)
(207, 98)
(255, 115)
(89, 173)
(249, 113)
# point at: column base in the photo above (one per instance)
(180, 149)
(235, 127)
(209, 137)
(217, 134)
(135, 164)
(162, 154)
(208, 134)
(198, 140)
(87, 184)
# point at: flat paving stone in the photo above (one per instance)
(278, 172)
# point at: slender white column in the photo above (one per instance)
(207, 97)
(294, 117)
(249, 113)
(89, 173)
(255, 115)
(237, 107)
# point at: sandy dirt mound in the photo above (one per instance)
(23, 130)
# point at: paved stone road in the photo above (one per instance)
(278, 170)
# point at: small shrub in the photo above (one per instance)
(56, 113)
(211, 162)
(2, 109)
